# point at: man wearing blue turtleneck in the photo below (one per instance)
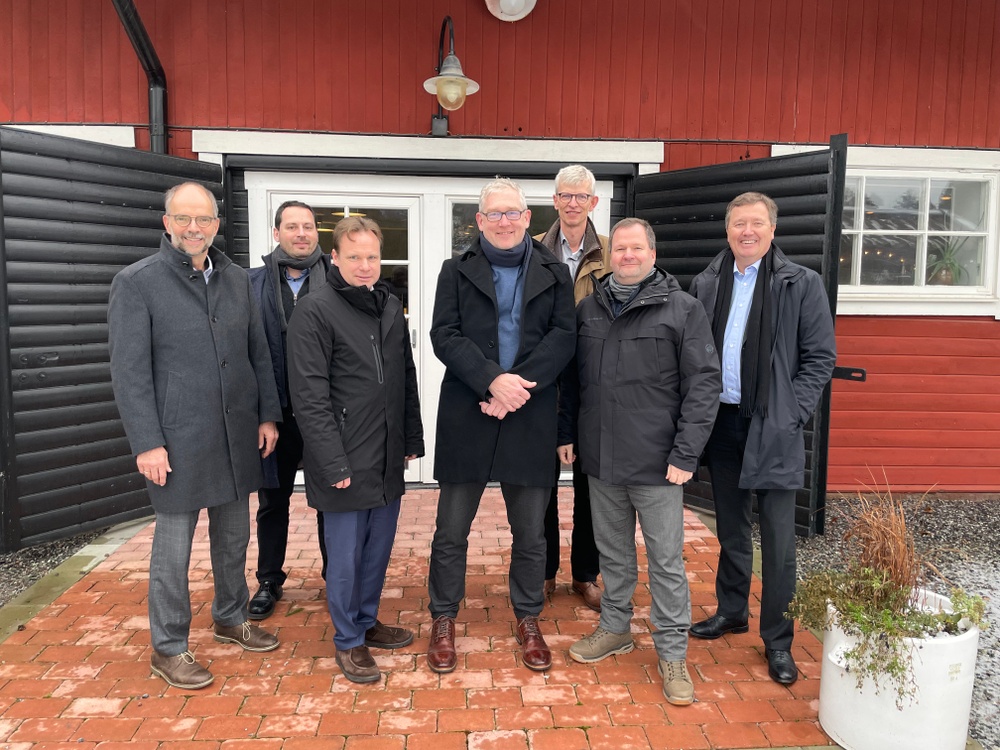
(504, 328)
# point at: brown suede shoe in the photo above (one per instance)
(250, 637)
(386, 636)
(550, 587)
(534, 651)
(358, 665)
(590, 592)
(441, 654)
(181, 671)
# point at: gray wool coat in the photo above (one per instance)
(191, 372)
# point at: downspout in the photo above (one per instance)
(154, 73)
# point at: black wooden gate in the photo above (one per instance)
(687, 210)
(73, 214)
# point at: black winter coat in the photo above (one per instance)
(521, 448)
(802, 361)
(648, 384)
(354, 391)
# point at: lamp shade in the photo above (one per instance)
(451, 85)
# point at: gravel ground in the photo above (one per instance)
(961, 537)
(23, 568)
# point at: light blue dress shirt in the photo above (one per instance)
(736, 326)
(295, 284)
(209, 269)
(571, 259)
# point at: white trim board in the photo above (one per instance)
(647, 154)
(110, 135)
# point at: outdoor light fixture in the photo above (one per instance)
(450, 84)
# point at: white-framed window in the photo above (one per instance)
(920, 232)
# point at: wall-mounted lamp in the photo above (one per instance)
(450, 84)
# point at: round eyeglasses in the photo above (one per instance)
(183, 220)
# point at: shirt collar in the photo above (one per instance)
(755, 266)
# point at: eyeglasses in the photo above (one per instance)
(581, 198)
(183, 220)
(511, 215)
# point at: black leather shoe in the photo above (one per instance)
(781, 666)
(262, 604)
(717, 626)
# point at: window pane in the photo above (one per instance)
(392, 222)
(955, 261)
(888, 260)
(892, 203)
(850, 203)
(398, 277)
(957, 205)
(846, 266)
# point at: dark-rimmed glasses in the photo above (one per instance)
(581, 198)
(511, 215)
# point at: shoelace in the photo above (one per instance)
(675, 671)
(443, 629)
(530, 626)
(246, 630)
(187, 656)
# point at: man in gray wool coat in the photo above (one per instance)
(193, 383)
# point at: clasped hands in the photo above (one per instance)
(508, 393)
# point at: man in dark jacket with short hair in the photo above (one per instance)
(639, 405)
(773, 330)
(296, 266)
(503, 327)
(354, 389)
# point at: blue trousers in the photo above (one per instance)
(358, 545)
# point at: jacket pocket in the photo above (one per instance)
(172, 398)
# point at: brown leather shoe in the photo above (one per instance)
(386, 636)
(358, 665)
(534, 651)
(550, 587)
(441, 654)
(181, 671)
(250, 637)
(590, 592)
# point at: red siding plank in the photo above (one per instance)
(56, 64)
(6, 63)
(818, 130)
(714, 101)
(218, 55)
(235, 64)
(986, 31)
(790, 51)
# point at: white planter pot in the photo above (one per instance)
(936, 719)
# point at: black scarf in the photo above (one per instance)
(371, 301)
(278, 260)
(755, 361)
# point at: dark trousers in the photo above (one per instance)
(584, 559)
(457, 506)
(733, 510)
(361, 541)
(273, 504)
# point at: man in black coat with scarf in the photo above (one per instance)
(503, 326)
(774, 333)
(354, 389)
(296, 266)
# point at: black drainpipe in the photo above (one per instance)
(154, 73)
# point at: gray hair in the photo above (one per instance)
(632, 222)
(748, 199)
(502, 185)
(576, 174)
(169, 196)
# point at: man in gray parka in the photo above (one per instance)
(193, 383)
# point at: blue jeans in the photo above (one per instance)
(358, 545)
(660, 511)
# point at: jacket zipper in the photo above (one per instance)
(343, 419)
(378, 360)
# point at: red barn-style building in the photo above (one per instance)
(324, 101)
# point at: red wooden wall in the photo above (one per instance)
(717, 79)
(929, 415)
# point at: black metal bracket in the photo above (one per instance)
(856, 374)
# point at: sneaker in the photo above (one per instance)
(601, 644)
(677, 686)
(250, 637)
(181, 671)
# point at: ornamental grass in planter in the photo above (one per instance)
(878, 601)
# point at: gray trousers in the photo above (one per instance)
(660, 511)
(169, 594)
(457, 506)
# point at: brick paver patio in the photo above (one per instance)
(77, 675)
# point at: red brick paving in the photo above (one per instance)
(77, 675)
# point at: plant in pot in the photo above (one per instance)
(943, 265)
(898, 660)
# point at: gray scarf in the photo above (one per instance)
(279, 260)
